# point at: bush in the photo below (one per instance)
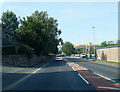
(24, 49)
(10, 49)
(20, 48)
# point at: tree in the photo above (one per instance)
(104, 43)
(40, 32)
(9, 20)
(110, 43)
(60, 52)
(92, 51)
(67, 48)
(61, 41)
(81, 50)
(118, 42)
(78, 51)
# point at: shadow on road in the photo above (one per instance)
(56, 63)
(117, 80)
(60, 80)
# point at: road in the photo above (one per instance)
(107, 71)
(49, 76)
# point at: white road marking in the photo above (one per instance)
(105, 77)
(37, 70)
(69, 64)
(109, 88)
(85, 68)
(24, 78)
(83, 79)
(73, 69)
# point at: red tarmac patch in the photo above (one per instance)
(98, 82)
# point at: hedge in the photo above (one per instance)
(17, 48)
(6, 50)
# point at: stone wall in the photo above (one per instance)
(109, 54)
(22, 60)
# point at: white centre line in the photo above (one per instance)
(24, 78)
(83, 79)
(105, 77)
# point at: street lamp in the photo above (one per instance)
(94, 39)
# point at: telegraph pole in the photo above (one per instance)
(94, 39)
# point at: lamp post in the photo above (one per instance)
(94, 39)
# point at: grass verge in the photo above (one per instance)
(105, 61)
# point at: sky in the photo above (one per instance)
(75, 19)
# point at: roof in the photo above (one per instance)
(4, 29)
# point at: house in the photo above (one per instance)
(109, 53)
(7, 36)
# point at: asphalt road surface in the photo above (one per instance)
(107, 71)
(50, 76)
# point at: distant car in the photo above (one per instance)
(59, 58)
(83, 56)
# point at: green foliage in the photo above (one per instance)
(79, 50)
(60, 52)
(67, 48)
(37, 31)
(61, 41)
(109, 43)
(104, 43)
(40, 32)
(9, 20)
(102, 61)
(18, 48)
(24, 49)
(92, 50)
(74, 51)
(118, 42)
(8, 50)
